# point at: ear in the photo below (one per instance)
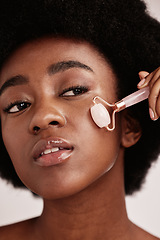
(131, 131)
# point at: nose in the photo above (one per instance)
(45, 117)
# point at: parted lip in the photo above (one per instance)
(49, 143)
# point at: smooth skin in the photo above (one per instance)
(153, 81)
(84, 196)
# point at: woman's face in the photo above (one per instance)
(47, 87)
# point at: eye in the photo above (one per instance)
(74, 91)
(16, 107)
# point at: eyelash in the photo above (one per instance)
(79, 90)
(18, 104)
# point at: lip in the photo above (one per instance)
(44, 157)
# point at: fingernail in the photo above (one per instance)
(152, 115)
(140, 76)
(141, 82)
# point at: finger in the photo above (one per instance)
(154, 101)
(148, 79)
(143, 74)
(158, 106)
(155, 78)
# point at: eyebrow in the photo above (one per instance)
(14, 81)
(65, 65)
(52, 69)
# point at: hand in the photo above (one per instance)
(153, 81)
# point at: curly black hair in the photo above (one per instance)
(121, 30)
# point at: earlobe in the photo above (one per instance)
(131, 131)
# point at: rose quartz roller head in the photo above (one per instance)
(101, 115)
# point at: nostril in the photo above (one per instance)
(54, 123)
(36, 129)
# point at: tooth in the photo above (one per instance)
(47, 151)
(55, 149)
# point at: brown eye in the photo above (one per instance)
(74, 91)
(17, 107)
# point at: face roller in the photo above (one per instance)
(100, 114)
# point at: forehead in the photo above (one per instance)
(56, 47)
(37, 55)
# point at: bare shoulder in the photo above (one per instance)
(17, 231)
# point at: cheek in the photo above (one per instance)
(14, 139)
(95, 152)
(99, 146)
(17, 143)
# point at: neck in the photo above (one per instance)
(94, 213)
